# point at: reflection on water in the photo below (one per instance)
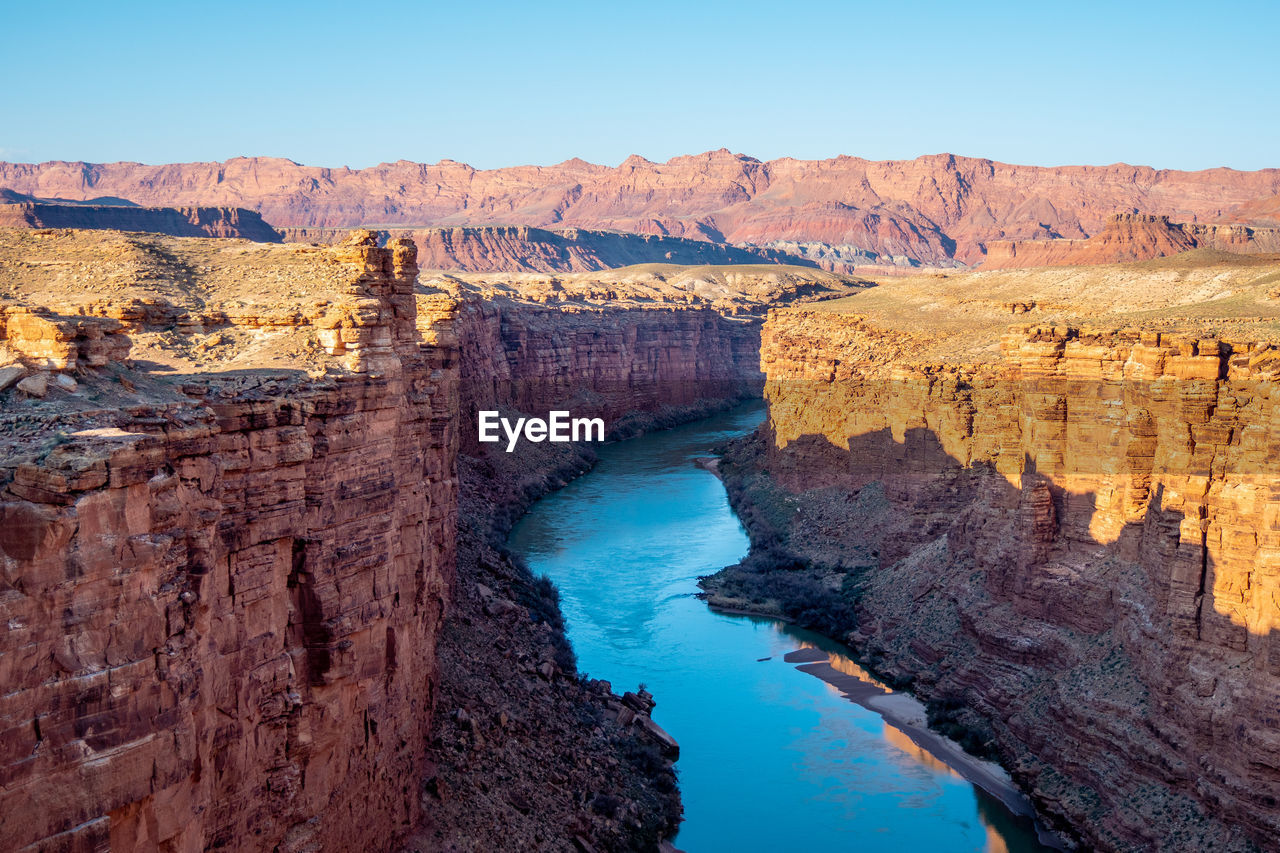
(897, 738)
(771, 758)
(839, 661)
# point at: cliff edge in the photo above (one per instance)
(1058, 533)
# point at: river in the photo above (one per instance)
(772, 758)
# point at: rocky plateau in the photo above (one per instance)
(19, 211)
(1132, 237)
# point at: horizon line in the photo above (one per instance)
(637, 158)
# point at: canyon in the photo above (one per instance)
(846, 212)
(1060, 532)
(236, 519)
(256, 593)
(627, 345)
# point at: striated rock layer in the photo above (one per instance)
(1132, 237)
(175, 221)
(525, 249)
(932, 210)
(1076, 543)
(223, 593)
(517, 764)
(659, 341)
(607, 363)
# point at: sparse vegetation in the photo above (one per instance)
(950, 717)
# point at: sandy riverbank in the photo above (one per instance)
(907, 714)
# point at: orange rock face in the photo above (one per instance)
(646, 344)
(607, 363)
(525, 249)
(1131, 237)
(1263, 211)
(935, 209)
(222, 613)
(1078, 542)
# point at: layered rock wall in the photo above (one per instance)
(175, 221)
(600, 361)
(1078, 543)
(526, 249)
(222, 611)
(1132, 237)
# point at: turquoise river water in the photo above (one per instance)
(771, 758)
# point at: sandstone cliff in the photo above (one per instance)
(516, 763)
(176, 222)
(223, 588)
(630, 346)
(931, 210)
(526, 249)
(1072, 539)
(1132, 237)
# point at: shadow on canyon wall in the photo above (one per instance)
(1097, 636)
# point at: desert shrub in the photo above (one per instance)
(649, 763)
(543, 600)
(799, 591)
(947, 716)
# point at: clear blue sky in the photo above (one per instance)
(1175, 85)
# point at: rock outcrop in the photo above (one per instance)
(1076, 543)
(174, 221)
(933, 210)
(222, 589)
(526, 249)
(1132, 237)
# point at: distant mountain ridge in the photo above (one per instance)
(526, 249)
(935, 210)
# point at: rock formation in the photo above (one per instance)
(227, 510)
(627, 346)
(526, 249)
(223, 593)
(642, 349)
(1132, 237)
(228, 496)
(1263, 211)
(19, 212)
(1072, 540)
(933, 210)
